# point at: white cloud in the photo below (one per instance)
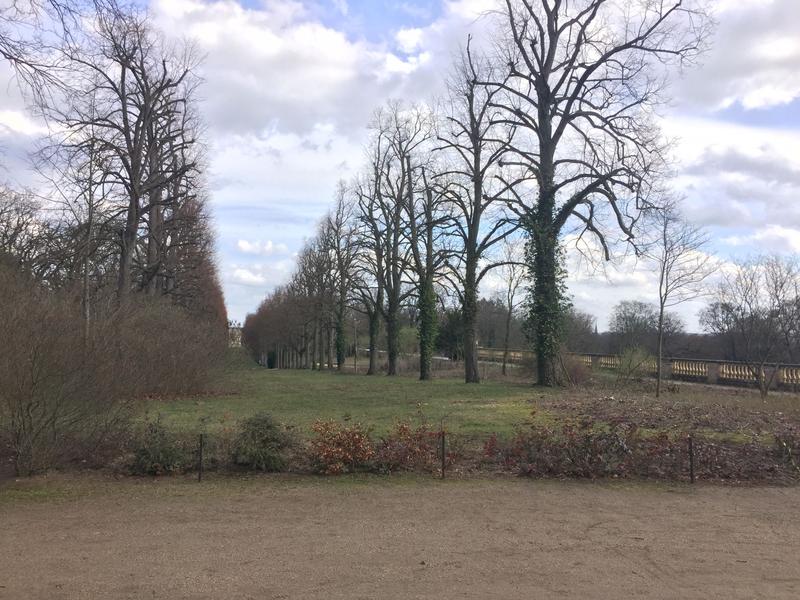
(18, 122)
(771, 239)
(409, 39)
(279, 68)
(753, 60)
(737, 176)
(247, 277)
(261, 248)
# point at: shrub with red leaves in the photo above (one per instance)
(407, 449)
(338, 448)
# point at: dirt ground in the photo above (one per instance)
(271, 538)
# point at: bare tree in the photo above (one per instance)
(26, 29)
(581, 81)
(369, 259)
(404, 132)
(682, 265)
(341, 231)
(131, 92)
(514, 273)
(474, 143)
(428, 225)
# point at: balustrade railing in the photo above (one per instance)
(709, 371)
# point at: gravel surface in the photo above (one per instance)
(271, 538)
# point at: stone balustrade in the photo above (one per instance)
(785, 377)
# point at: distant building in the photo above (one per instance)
(234, 337)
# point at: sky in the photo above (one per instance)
(289, 87)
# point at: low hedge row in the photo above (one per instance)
(580, 449)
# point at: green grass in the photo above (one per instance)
(299, 398)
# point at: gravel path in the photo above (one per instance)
(274, 538)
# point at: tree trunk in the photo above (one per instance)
(470, 318)
(154, 230)
(330, 347)
(374, 330)
(506, 338)
(128, 242)
(544, 234)
(318, 345)
(547, 308)
(153, 242)
(660, 352)
(392, 341)
(427, 329)
(341, 348)
(761, 380)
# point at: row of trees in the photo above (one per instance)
(548, 132)
(126, 211)
(109, 267)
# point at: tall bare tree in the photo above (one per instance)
(369, 259)
(581, 80)
(341, 231)
(405, 131)
(514, 273)
(131, 91)
(682, 266)
(474, 141)
(428, 226)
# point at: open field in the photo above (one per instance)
(366, 537)
(498, 405)
(300, 397)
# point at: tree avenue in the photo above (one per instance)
(551, 129)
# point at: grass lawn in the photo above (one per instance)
(299, 398)
(498, 405)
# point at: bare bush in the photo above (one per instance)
(67, 397)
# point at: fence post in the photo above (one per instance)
(442, 448)
(713, 372)
(771, 376)
(200, 457)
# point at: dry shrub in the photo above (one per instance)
(573, 371)
(61, 396)
(634, 365)
(172, 351)
(620, 449)
(68, 394)
(337, 448)
(407, 448)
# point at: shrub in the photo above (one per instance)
(634, 363)
(61, 395)
(577, 450)
(787, 446)
(69, 388)
(407, 448)
(573, 370)
(262, 443)
(620, 449)
(338, 448)
(159, 452)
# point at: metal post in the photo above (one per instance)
(444, 456)
(200, 466)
